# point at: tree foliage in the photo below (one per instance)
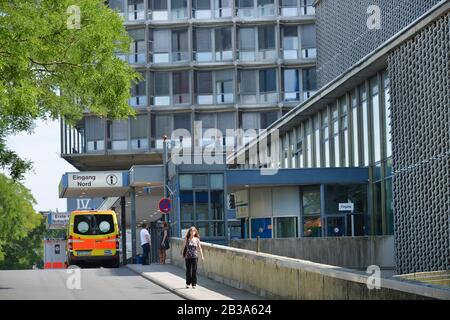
(51, 66)
(57, 59)
(17, 216)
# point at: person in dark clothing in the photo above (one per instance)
(164, 243)
(190, 252)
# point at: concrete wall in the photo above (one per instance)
(278, 277)
(347, 252)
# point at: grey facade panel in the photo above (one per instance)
(419, 73)
(343, 35)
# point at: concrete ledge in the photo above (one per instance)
(280, 277)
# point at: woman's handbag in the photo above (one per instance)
(184, 251)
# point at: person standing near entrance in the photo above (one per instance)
(145, 244)
(164, 243)
(190, 252)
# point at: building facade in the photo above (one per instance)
(387, 114)
(229, 64)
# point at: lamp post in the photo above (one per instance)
(164, 171)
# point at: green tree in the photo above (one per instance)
(17, 220)
(27, 251)
(58, 59)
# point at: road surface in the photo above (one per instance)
(93, 284)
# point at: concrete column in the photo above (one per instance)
(123, 229)
(133, 224)
(322, 209)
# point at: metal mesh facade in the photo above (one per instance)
(419, 72)
(343, 37)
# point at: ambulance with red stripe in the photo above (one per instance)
(93, 237)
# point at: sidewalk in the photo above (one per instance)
(172, 278)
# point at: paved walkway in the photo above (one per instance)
(172, 278)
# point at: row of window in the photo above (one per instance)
(133, 134)
(254, 86)
(255, 43)
(352, 131)
(163, 10)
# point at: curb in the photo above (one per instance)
(161, 284)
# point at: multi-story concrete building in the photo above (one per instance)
(367, 155)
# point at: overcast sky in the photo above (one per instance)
(43, 147)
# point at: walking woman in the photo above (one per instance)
(164, 243)
(190, 253)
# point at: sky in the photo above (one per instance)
(42, 147)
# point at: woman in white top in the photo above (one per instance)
(190, 252)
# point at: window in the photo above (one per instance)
(201, 205)
(136, 10)
(161, 47)
(119, 135)
(180, 84)
(268, 85)
(245, 8)
(95, 134)
(247, 86)
(160, 10)
(355, 128)
(290, 42)
(138, 48)
(223, 46)
(387, 114)
(289, 8)
(309, 82)
(179, 9)
(325, 138)
(180, 49)
(317, 140)
(204, 87)
(138, 94)
(216, 181)
(224, 87)
(299, 148)
(247, 44)
(344, 131)
(365, 127)
(336, 142)
(93, 224)
(307, 7)
(223, 8)
(139, 132)
(335, 194)
(291, 85)
(376, 120)
(185, 181)
(266, 8)
(117, 5)
(226, 120)
(203, 45)
(266, 42)
(312, 223)
(285, 227)
(308, 39)
(267, 118)
(187, 205)
(182, 121)
(201, 9)
(308, 135)
(161, 85)
(217, 205)
(161, 126)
